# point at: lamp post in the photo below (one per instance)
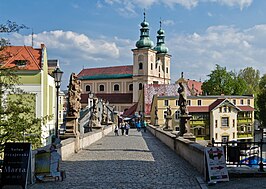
(57, 78)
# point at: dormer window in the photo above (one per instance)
(21, 62)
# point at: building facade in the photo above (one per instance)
(224, 118)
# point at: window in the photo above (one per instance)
(225, 121)
(130, 87)
(225, 139)
(166, 69)
(248, 101)
(116, 87)
(229, 109)
(234, 123)
(177, 113)
(140, 66)
(21, 62)
(225, 109)
(140, 86)
(166, 102)
(159, 68)
(101, 87)
(241, 101)
(188, 102)
(216, 136)
(88, 88)
(220, 109)
(234, 102)
(176, 102)
(151, 66)
(199, 102)
(234, 135)
(216, 123)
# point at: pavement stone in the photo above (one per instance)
(126, 162)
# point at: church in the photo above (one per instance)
(122, 86)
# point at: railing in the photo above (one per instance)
(249, 154)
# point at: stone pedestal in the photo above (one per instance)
(185, 128)
(71, 127)
(156, 122)
(168, 124)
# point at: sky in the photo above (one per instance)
(100, 33)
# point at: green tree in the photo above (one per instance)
(18, 121)
(223, 82)
(261, 100)
(252, 79)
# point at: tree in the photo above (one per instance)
(223, 82)
(18, 122)
(261, 100)
(252, 79)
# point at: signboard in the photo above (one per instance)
(42, 163)
(217, 170)
(16, 164)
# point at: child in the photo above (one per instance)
(116, 130)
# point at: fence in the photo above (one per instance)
(238, 153)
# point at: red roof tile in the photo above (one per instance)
(30, 55)
(196, 85)
(192, 109)
(107, 71)
(112, 98)
(216, 103)
(246, 108)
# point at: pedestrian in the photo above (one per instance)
(116, 130)
(123, 127)
(138, 125)
(127, 128)
(144, 126)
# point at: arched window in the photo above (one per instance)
(88, 88)
(116, 87)
(140, 66)
(151, 66)
(101, 87)
(140, 86)
(130, 87)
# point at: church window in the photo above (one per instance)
(88, 88)
(151, 66)
(116, 87)
(140, 66)
(166, 69)
(140, 86)
(101, 87)
(131, 87)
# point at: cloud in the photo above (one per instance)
(227, 46)
(128, 6)
(168, 22)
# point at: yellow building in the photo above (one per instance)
(223, 118)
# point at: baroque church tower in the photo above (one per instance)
(150, 65)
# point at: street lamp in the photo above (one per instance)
(57, 78)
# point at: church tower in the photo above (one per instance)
(162, 58)
(144, 57)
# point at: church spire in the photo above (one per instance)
(160, 46)
(144, 41)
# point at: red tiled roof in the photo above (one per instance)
(197, 86)
(31, 55)
(192, 109)
(131, 111)
(107, 71)
(246, 108)
(216, 103)
(112, 98)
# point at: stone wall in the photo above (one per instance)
(188, 150)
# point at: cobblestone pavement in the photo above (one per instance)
(126, 162)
